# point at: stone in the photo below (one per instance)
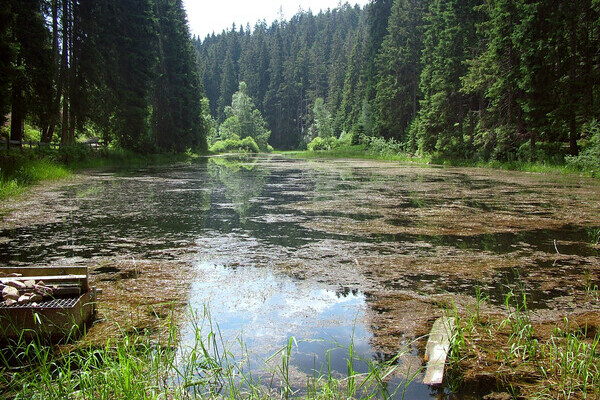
(36, 297)
(43, 290)
(10, 302)
(16, 284)
(29, 284)
(23, 299)
(10, 292)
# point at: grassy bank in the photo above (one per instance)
(364, 152)
(358, 152)
(522, 358)
(140, 367)
(17, 173)
(21, 169)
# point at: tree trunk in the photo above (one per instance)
(532, 146)
(64, 78)
(48, 131)
(17, 121)
(573, 148)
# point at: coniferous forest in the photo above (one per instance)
(477, 79)
(124, 70)
(480, 79)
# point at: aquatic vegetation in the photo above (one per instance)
(558, 360)
(137, 366)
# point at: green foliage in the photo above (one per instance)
(247, 145)
(542, 152)
(243, 121)
(320, 143)
(384, 147)
(177, 107)
(73, 153)
(589, 158)
(323, 125)
(18, 172)
(399, 67)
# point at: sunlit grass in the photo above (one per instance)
(363, 152)
(144, 367)
(564, 364)
(359, 152)
(19, 174)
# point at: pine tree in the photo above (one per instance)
(450, 36)
(136, 69)
(177, 105)
(31, 79)
(399, 69)
(7, 56)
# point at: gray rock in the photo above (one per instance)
(10, 302)
(10, 292)
(16, 284)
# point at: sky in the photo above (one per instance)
(208, 16)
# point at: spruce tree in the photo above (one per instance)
(399, 69)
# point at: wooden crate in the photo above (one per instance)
(53, 318)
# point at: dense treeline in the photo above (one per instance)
(122, 69)
(491, 79)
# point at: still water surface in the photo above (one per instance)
(330, 252)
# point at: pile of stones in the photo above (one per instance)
(29, 292)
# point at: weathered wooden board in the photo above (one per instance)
(437, 350)
(53, 322)
(50, 275)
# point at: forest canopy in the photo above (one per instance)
(486, 79)
(124, 70)
(476, 79)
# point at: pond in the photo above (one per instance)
(329, 252)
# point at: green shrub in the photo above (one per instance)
(246, 145)
(319, 143)
(589, 158)
(384, 147)
(542, 152)
(73, 153)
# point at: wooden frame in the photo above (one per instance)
(50, 320)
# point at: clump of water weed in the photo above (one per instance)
(511, 354)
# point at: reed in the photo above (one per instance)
(144, 367)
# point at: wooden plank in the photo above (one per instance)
(437, 349)
(33, 271)
(53, 323)
(46, 278)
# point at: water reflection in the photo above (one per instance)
(328, 250)
(241, 180)
(267, 309)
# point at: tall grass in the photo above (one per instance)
(142, 367)
(562, 365)
(16, 175)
